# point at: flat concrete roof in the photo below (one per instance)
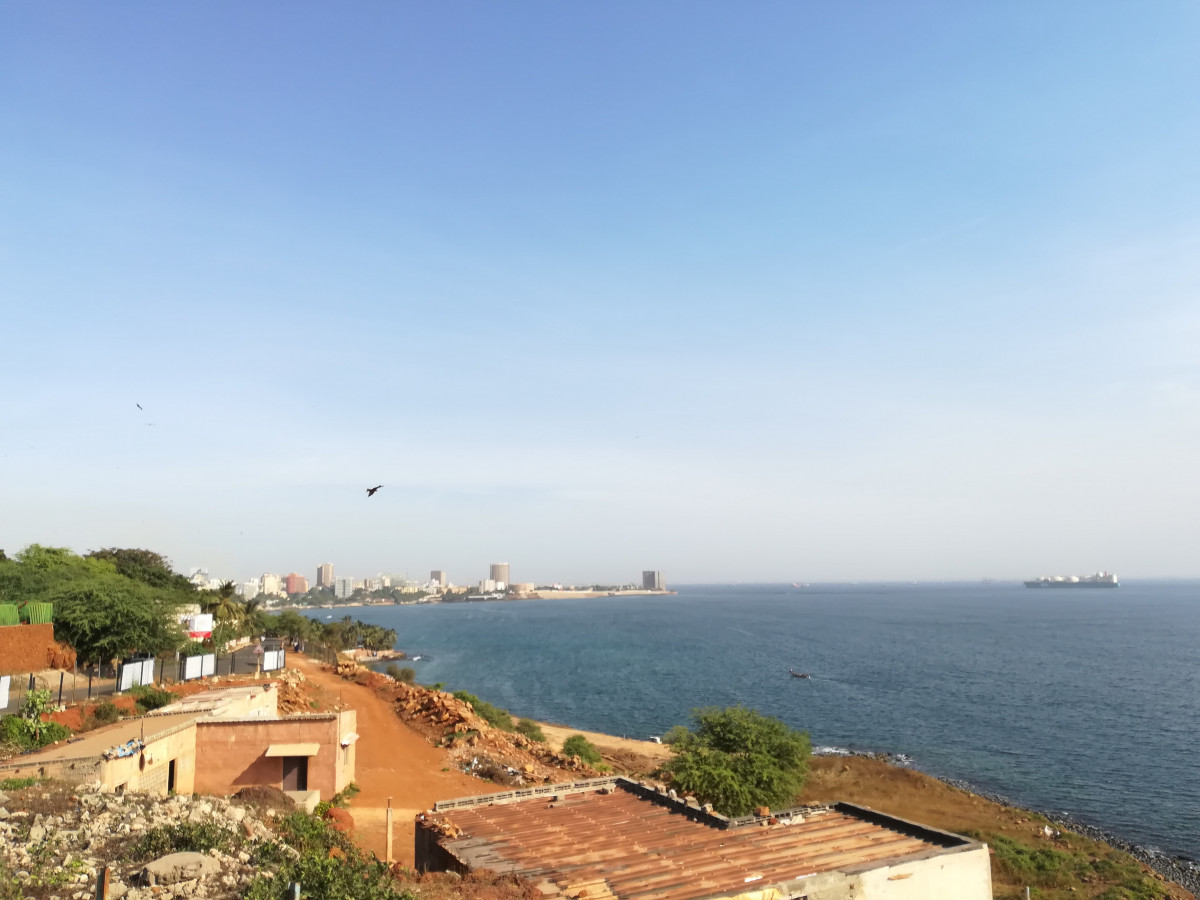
(630, 842)
(93, 743)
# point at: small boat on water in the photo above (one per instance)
(796, 674)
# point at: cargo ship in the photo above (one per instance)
(1095, 580)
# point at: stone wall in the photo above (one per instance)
(25, 648)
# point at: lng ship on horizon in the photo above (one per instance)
(1095, 580)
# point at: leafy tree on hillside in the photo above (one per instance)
(145, 566)
(110, 617)
(738, 759)
(101, 613)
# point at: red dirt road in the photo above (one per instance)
(391, 760)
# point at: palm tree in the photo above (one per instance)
(223, 606)
(255, 616)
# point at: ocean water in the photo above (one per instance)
(1084, 702)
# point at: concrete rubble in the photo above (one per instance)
(62, 850)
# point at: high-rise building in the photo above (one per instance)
(499, 573)
(249, 589)
(438, 577)
(652, 581)
(272, 585)
(343, 586)
(325, 575)
(296, 584)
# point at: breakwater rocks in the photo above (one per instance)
(892, 759)
(1182, 871)
(55, 839)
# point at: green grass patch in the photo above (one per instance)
(1073, 869)
(18, 784)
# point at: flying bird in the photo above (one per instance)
(139, 406)
(371, 491)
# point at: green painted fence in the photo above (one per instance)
(39, 613)
(9, 614)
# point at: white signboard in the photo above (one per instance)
(272, 660)
(135, 672)
(4, 682)
(198, 666)
(200, 626)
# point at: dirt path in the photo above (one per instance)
(391, 760)
(626, 751)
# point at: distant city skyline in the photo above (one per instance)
(769, 292)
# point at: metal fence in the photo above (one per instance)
(90, 683)
(65, 687)
(318, 651)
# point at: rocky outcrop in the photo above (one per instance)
(500, 756)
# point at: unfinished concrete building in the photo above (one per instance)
(238, 735)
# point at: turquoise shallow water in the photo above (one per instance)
(1076, 701)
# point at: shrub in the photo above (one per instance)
(493, 715)
(738, 759)
(406, 674)
(148, 697)
(27, 730)
(17, 784)
(578, 745)
(105, 713)
(197, 837)
(531, 730)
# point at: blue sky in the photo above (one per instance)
(767, 291)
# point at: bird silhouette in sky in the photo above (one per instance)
(371, 491)
(139, 406)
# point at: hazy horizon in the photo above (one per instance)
(771, 292)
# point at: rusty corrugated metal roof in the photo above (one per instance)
(621, 842)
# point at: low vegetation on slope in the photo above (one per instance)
(1063, 867)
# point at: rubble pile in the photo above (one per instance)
(56, 838)
(478, 748)
(292, 697)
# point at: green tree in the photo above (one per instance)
(109, 617)
(145, 566)
(376, 637)
(289, 624)
(99, 611)
(738, 759)
(223, 604)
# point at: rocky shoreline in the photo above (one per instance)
(1179, 869)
